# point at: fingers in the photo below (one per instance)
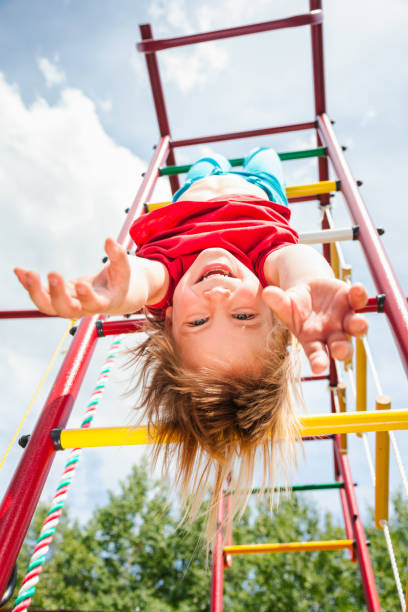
(317, 356)
(64, 302)
(38, 293)
(118, 268)
(280, 303)
(113, 249)
(340, 346)
(116, 253)
(357, 296)
(92, 302)
(56, 299)
(355, 325)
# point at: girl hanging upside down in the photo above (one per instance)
(231, 294)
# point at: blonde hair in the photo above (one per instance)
(213, 425)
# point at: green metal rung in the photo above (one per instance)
(318, 152)
(307, 487)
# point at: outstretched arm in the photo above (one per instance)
(313, 304)
(124, 285)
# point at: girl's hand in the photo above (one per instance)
(320, 313)
(104, 292)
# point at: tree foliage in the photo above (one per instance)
(131, 556)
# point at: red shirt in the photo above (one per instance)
(247, 226)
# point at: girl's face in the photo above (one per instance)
(219, 319)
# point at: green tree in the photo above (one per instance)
(131, 556)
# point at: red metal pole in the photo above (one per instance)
(347, 519)
(318, 63)
(319, 99)
(318, 377)
(113, 328)
(366, 570)
(158, 98)
(146, 188)
(395, 305)
(25, 488)
(217, 577)
(150, 46)
(23, 314)
(293, 127)
(28, 481)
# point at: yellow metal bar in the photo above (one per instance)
(382, 466)
(361, 377)
(312, 189)
(334, 259)
(295, 191)
(243, 549)
(346, 273)
(310, 425)
(346, 277)
(341, 394)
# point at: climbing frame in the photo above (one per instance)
(50, 434)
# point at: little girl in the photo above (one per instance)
(228, 287)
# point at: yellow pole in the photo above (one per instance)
(312, 189)
(361, 376)
(346, 277)
(334, 259)
(248, 549)
(341, 394)
(310, 425)
(294, 191)
(382, 466)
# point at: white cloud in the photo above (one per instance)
(177, 15)
(172, 14)
(52, 74)
(63, 186)
(192, 68)
(105, 105)
(194, 65)
(368, 117)
(68, 180)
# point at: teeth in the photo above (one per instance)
(214, 273)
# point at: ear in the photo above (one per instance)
(169, 316)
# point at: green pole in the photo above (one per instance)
(306, 487)
(318, 152)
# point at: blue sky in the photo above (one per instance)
(77, 127)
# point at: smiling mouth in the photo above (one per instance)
(221, 273)
(215, 270)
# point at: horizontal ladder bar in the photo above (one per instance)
(306, 487)
(238, 161)
(109, 328)
(152, 45)
(279, 129)
(294, 191)
(310, 425)
(249, 549)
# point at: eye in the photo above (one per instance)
(242, 316)
(198, 322)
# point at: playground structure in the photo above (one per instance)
(50, 434)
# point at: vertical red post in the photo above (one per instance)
(395, 306)
(146, 188)
(28, 481)
(158, 98)
(320, 105)
(25, 488)
(217, 576)
(366, 570)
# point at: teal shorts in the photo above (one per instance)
(262, 167)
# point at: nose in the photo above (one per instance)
(217, 294)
